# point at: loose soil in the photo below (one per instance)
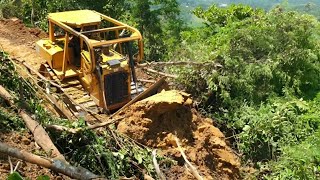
(19, 41)
(157, 120)
(154, 122)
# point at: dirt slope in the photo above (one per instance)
(157, 120)
(19, 41)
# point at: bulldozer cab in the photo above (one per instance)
(95, 49)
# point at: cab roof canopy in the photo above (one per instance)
(77, 18)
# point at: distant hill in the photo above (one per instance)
(308, 6)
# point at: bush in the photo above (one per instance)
(301, 161)
(9, 9)
(266, 129)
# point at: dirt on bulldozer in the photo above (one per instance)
(157, 120)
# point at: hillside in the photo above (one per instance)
(187, 6)
(252, 73)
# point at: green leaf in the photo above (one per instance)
(44, 177)
(138, 157)
(246, 128)
(14, 176)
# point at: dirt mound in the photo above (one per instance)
(157, 120)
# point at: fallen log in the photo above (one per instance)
(57, 166)
(40, 135)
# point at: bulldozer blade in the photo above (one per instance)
(161, 84)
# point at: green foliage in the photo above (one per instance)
(279, 122)
(44, 177)
(220, 17)
(301, 161)
(260, 56)
(9, 9)
(14, 176)
(9, 121)
(262, 83)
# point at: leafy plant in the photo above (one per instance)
(266, 129)
(301, 161)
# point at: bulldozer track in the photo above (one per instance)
(77, 100)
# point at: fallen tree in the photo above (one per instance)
(39, 134)
(53, 164)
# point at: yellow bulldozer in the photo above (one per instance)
(93, 58)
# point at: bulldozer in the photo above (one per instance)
(93, 58)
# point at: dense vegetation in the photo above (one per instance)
(261, 81)
(263, 86)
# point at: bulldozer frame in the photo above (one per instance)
(106, 67)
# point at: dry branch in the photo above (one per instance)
(160, 73)
(6, 95)
(62, 128)
(147, 80)
(39, 75)
(74, 131)
(179, 63)
(51, 99)
(40, 135)
(103, 124)
(56, 165)
(192, 168)
(156, 165)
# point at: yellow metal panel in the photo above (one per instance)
(76, 18)
(52, 53)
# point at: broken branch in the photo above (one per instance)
(156, 165)
(192, 168)
(160, 73)
(179, 63)
(74, 131)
